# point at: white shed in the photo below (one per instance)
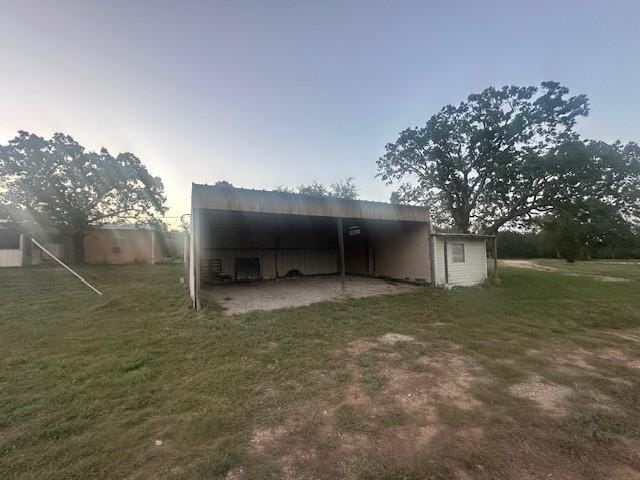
(459, 259)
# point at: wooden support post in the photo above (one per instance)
(341, 245)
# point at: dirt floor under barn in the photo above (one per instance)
(236, 298)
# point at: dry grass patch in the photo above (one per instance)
(384, 405)
(404, 406)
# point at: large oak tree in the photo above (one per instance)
(58, 182)
(488, 161)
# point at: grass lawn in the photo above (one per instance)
(536, 378)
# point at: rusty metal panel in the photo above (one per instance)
(246, 200)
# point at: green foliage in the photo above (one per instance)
(345, 188)
(512, 244)
(596, 180)
(223, 184)
(283, 189)
(58, 182)
(485, 162)
(316, 189)
(564, 235)
(506, 155)
(598, 235)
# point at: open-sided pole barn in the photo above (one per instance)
(240, 235)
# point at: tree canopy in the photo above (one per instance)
(489, 161)
(344, 188)
(315, 188)
(58, 182)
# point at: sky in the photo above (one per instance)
(269, 93)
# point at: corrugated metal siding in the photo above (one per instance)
(403, 254)
(474, 269)
(260, 201)
(309, 261)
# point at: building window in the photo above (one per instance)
(117, 244)
(457, 252)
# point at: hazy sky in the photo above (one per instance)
(272, 92)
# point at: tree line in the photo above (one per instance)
(559, 243)
(505, 159)
(510, 158)
(57, 184)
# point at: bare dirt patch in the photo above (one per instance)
(393, 338)
(387, 408)
(548, 396)
(529, 264)
(630, 335)
(262, 437)
(625, 472)
(582, 366)
(235, 474)
(617, 347)
(452, 376)
(393, 403)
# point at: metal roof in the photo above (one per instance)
(262, 201)
(470, 236)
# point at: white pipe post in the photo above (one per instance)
(65, 266)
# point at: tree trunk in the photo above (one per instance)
(78, 247)
(462, 223)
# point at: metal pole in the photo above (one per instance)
(341, 245)
(65, 266)
(195, 222)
